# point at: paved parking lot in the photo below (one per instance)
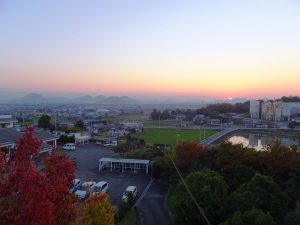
(87, 160)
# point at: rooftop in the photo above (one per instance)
(142, 161)
(10, 136)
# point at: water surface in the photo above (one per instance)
(260, 141)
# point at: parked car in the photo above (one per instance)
(112, 143)
(69, 146)
(130, 191)
(85, 189)
(101, 187)
(75, 185)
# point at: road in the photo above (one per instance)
(151, 206)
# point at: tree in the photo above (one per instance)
(209, 189)
(271, 197)
(293, 217)
(79, 124)
(239, 201)
(189, 154)
(66, 139)
(44, 121)
(236, 163)
(155, 115)
(32, 197)
(97, 210)
(281, 162)
(162, 168)
(59, 174)
(251, 217)
(23, 190)
(121, 148)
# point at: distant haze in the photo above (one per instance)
(6, 97)
(154, 50)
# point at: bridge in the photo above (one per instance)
(227, 132)
(217, 136)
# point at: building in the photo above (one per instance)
(274, 110)
(180, 117)
(7, 121)
(255, 109)
(9, 138)
(199, 118)
(290, 110)
(137, 127)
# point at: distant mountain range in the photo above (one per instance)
(35, 98)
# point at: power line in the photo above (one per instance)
(190, 193)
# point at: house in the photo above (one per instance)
(9, 138)
(213, 121)
(81, 138)
(180, 117)
(137, 127)
(199, 118)
(7, 121)
(115, 132)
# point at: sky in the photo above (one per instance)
(150, 49)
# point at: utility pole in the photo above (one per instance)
(200, 134)
(55, 122)
(159, 122)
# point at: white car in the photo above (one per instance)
(75, 185)
(85, 189)
(130, 190)
(100, 187)
(69, 146)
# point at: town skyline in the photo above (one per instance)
(151, 50)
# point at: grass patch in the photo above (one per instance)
(169, 136)
(129, 219)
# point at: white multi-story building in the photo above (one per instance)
(290, 110)
(271, 110)
(274, 110)
(255, 109)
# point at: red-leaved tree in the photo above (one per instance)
(59, 173)
(29, 196)
(189, 154)
(22, 190)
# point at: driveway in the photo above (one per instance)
(151, 207)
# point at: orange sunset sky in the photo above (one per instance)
(215, 49)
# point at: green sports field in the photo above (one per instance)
(169, 136)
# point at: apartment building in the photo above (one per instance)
(274, 110)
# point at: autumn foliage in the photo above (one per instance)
(58, 173)
(97, 210)
(187, 153)
(32, 197)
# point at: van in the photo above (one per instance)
(69, 146)
(130, 191)
(101, 187)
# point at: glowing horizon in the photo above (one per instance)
(221, 50)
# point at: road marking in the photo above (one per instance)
(143, 194)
